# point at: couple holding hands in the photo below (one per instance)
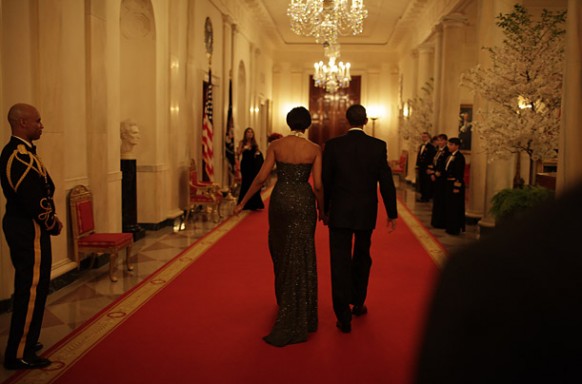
(344, 190)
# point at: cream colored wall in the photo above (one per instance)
(48, 68)
(72, 63)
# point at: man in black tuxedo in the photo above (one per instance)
(353, 166)
(426, 152)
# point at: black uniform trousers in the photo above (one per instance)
(30, 252)
(455, 209)
(439, 210)
(350, 271)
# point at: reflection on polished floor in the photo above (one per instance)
(70, 306)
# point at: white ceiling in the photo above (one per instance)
(382, 18)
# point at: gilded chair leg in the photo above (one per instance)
(112, 266)
(127, 256)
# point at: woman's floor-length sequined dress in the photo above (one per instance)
(292, 221)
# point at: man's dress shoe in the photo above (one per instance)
(28, 363)
(344, 327)
(38, 347)
(359, 310)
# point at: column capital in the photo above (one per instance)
(227, 19)
(426, 48)
(454, 20)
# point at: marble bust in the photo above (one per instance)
(129, 139)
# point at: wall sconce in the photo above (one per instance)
(406, 111)
(374, 118)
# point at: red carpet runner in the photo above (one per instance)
(203, 323)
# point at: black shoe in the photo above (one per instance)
(38, 347)
(30, 363)
(344, 327)
(359, 310)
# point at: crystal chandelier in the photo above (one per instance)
(332, 76)
(327, 19)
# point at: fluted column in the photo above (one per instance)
(476, 203)
(411, 171)
(570, 156)
(452, 42)
(425, 71)
(438, 60)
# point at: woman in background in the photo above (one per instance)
(251, 160)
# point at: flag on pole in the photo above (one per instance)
(207, 134)
(229, 139)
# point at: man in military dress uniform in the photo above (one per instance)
(437, 175)
(455, 189)
(28, 223)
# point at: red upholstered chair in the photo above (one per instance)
(87, 240)
(203, 193)
(399, 166)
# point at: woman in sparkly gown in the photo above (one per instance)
(251, 160)
(292, 219)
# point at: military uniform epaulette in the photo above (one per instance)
(30, 161)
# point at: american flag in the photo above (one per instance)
(207, 134)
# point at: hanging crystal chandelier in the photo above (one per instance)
(327, 19)
(332, 76)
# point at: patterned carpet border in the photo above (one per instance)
(82, 341)
(432, 246)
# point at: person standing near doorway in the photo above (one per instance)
(251, 160)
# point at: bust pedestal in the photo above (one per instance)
(129, 199)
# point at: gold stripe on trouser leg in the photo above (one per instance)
(32, 297)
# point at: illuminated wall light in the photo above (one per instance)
(406, 110)
(174, 109)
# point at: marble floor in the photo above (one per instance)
(72, 305)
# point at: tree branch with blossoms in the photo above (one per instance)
(523, 86)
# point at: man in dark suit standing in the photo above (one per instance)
(28, 223)
(426, 152)
(353, 166)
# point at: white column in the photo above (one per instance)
(476, 202)
(411, 171)
(438, 60)
(453, 35)
(570, 156)
(425, 68)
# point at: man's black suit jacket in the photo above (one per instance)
(353, 166)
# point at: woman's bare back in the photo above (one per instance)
(295, 150)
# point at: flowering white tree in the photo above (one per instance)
(523, 86)
(420, 116)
